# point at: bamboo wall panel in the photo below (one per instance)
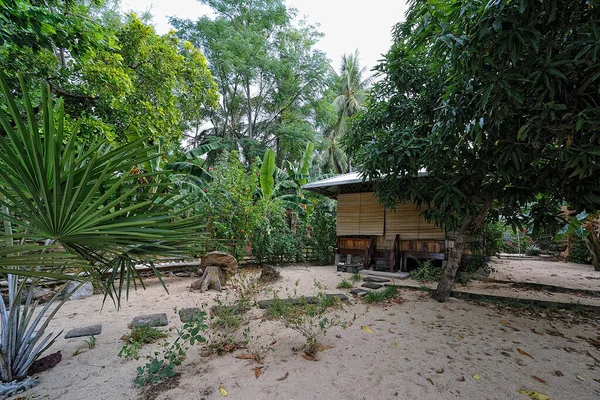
(348, 208)
(371, 215)
(409, 224)
(359, 214)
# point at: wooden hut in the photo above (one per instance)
(386, 239)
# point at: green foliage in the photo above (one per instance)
(378, 297)
(22, 337)
(91, 342)
(579, 253)
(113, 72)
(229, 206)
(144, 334)
(532, 250)
(273, 241)
(310, 319)
(478, 94)
(268, 73)
(427, 272)
(322, 230)
(356, 277)
(344, 284)
(139, 336)
(164, 362)
(91, 200)
(350, 90)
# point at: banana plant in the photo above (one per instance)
(273, 192)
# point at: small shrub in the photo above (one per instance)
(344, 284)
(579, 252)
(378, 297)
(310, 319)
(163, 363)
(356, 277)
(427, 272)
(144, 334)
(532, 250)
(135, 340)
(227, 318)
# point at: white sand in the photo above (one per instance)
(411, 341)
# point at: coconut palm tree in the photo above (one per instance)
(351, 90)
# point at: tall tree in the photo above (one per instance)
(497, 100)
(268, 74)
(351, 92)
(113, 72)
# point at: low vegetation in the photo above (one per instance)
(377, 297)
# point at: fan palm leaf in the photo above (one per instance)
(91, 201)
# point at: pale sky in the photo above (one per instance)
(347, 24)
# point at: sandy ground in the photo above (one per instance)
(546, 272)
(419, 349)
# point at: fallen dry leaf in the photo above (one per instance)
(580, 378)
(558, 373)
(258, 371)
(540, 380)
(461, 379)
(246, 356)
(446, 308)
(523, 352)
(367, 329)
(505, 322)
(597, 380)
(273, 342)
(534, 395)
(308, 357)
(283, 378)
(222, 391)
(536, 332)
(338, 336)
(476, 377)
(430, 381)
(394, 345)
(439, 371)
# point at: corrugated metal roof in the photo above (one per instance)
(343, 179)
(329, 187)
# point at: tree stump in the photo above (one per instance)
(226, 261)
(211, 278)
(215, 265)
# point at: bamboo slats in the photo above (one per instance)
(359, 214)
(409, 224)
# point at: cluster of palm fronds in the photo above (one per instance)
(71, 211)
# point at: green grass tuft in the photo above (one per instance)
(344, 284)
(378, 297)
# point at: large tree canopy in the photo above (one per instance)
(113, 72)
(498, 101)
(269, 75)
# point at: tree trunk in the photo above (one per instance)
(469, 225)
(211, 278)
